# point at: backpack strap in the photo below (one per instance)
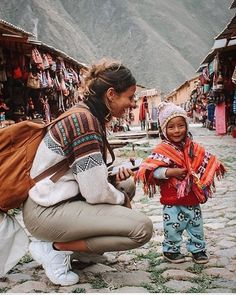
(55, 170)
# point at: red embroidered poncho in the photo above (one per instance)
(198, 184)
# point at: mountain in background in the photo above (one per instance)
(162, 41)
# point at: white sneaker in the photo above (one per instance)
(55, 263)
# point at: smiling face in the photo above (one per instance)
(120, 102)
(176, 129)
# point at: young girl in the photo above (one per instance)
(185, 172)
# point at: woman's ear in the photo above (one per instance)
(111, 93)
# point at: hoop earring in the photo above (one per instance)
(108, 117)
(107, 104)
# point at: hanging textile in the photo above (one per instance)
(220, 119)
(210, 112)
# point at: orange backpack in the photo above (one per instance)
(18, 146)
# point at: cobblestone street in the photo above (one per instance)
(144, 270)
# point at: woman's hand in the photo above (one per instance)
(123, 174)
(127, 202)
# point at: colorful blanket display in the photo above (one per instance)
(42, 77)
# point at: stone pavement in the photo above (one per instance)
(144, 270)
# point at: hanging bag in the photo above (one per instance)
(13, 244)
(45, 62)
(43, 80)
(37, 58)
(33, 81)
(50, 81)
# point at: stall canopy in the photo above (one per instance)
(233, 4)
(12, 32)
(37, 81)
(58, 52)
(225, 41)
(229, 32)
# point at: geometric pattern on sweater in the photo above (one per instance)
(76, 124)
(52, 145)
(87, 163)
(77, 135)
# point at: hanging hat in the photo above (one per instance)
(167, 111)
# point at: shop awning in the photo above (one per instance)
(212, 53)
(8, 30)
(12, 33)
(225, 41)
(201, 67)
(148, 92)
(233, 4)
(229, 32)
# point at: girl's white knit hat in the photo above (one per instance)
(168, 111)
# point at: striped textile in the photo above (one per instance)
(76, 136)
(202, 167)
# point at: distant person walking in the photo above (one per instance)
(185, 172)
(143, 112)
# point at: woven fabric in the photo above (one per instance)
(202, 168)
(78, 135)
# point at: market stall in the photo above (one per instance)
(217, 83)
(37, 81)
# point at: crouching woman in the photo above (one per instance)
(83, 212)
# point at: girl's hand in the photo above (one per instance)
(179, 173)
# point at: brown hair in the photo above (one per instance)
(105, 74)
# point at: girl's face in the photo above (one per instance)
(176, 129)
(120, 102)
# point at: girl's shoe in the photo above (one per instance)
(200, 257)
(176, 257)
